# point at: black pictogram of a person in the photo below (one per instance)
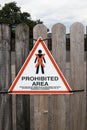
(40, 59)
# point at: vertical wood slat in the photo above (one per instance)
(22, 51)
(77, 66)
(59, 53)
(86, 77)
(40, 30)
(5, 78)
(40, 101)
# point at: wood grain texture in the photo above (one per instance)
(40, 32)
(40, 101)
(5, 78)
(78, 78)
(58, 102)
(22, 102)
(86, 87)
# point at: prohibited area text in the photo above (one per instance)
(40, 80)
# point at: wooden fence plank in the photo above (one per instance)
(40, 31)
(78, 74)
(5, 78)
(59, 53)
(86, 77)
(86, 89)
(22, 51)
(40, 101)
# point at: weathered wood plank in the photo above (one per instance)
(41, 32)
(22, 51)
(40, 101)
(5, 78)
(86, 89)
(78, 78)
(58, 102)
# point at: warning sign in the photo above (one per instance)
(40, 74)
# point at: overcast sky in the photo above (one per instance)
(54, 11)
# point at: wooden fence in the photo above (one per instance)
(44, 112)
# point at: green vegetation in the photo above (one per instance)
(11, 14)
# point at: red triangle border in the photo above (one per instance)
(24, 66)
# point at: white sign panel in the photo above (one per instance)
(40, 74)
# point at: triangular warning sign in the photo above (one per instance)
(40, 74)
